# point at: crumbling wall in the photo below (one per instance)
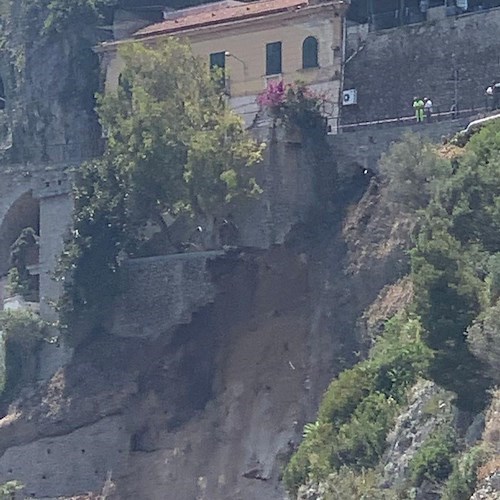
(424, 60)
(160, 293)
(287, 179)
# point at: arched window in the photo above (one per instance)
(310, 52)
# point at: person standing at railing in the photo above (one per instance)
(418, 106)
(489, 97)
(462, 5)
(428, 109)
(424, 7)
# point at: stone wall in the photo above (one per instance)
(74, 463)
(397, 64)
(287, 179)
(362, 148)
(161, 293)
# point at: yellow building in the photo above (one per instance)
(292, 40)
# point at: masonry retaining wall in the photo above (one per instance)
(160, 293)
(425, 60)
(364, 147)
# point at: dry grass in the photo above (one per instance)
(491, 438)
(491, 435)
(489, 468)
(392, 299)
(450, 151)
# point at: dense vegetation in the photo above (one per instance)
(173, 147)
(359, 407)
(450, 333)
(22, 334)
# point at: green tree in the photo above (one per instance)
(434, 459)
(61, 13)
(454, 268)
(172, 132)
(448, 298)
(472, 196)
(173, 146)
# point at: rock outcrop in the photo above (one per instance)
(214, 408)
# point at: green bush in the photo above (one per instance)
(346, 484)
(22, 327)
(433, 461)
(345, 393)
(361, 441)
(400, 356)
(312, 459)
(462, 481)
(483, 338)
(22, 333)
(14, 286)
(414, 171)
(359, 407)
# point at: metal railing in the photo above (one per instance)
(408, 120)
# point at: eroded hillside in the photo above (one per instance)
(214, 409)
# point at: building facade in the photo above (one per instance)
(255, 42)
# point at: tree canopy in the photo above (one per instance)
(173, 146)
(170, 129)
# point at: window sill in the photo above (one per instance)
(272, 78)
(308, 70)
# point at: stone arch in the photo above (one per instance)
(23, 213)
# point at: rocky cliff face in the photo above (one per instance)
(214, 408)
(211, 402)
(50, 77)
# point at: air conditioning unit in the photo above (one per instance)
(349, 97)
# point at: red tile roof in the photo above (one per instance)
(217, 15)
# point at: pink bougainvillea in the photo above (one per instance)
(295, 104)
(273, 96)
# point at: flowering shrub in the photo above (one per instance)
(295, 104)
(274, 96)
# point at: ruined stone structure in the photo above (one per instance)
(161, 293)
(37, 197)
